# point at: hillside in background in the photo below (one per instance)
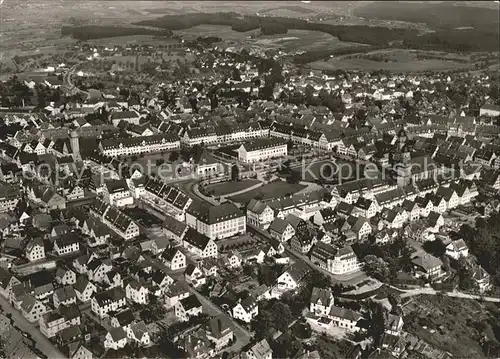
(439, 16)
(99, 32)
(446, 39)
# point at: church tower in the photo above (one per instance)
(75, 146)
(403, 170)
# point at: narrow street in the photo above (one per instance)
(41, 342)
(242, 334)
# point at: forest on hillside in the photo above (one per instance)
(445, 39)
(438, 16)
(92, 32)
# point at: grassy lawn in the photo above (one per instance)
(340, 171)
(224, 188)
(269, 191)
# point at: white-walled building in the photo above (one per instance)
(166, 199)
(115, 219)
(196, 136)
(344, 262)
(66, 244)
(174, 258)
(35, 250)
(55, 321)
(321, 301)
(110, 300)
(188, 307)
(117, 193)
(489, 110)
(142, 144)
(262, 149)
(216, 222)
(199, 245)
(457, 249)
(259, 214)
(246, 310)
(131, 116)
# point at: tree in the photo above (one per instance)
(457, 99)
(235, 173)
(294, 177)
(376, 268)
(214, 102)
(376, 316)
(282, 315)
(436, 247)
(327, 171)
(174, 156)
(309, 92)
(268, 274)
(266, 92)
(236, 76)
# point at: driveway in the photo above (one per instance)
(41, 342)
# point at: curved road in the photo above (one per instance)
(67, 79)
(189, 188)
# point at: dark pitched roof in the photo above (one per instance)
(190, 302)
(214, 214)
(196, 239)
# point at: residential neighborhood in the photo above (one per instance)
(247, 207)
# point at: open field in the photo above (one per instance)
(224, 32)
(269, 191)
(302, 40)
(397, 60)
(224, 188)
(35, 26)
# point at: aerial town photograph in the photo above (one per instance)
(249, 179)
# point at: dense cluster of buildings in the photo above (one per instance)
(121, 248)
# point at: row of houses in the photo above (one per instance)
(115, 219)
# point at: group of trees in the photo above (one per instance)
(14, 93)
(292, 175)
(360, 34)
(90, 32)
(484, 243)
(384, 262)
(277, 315)
(477, 39)
(438, 15)
(324, 98)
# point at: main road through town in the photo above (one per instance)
(41, 342)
